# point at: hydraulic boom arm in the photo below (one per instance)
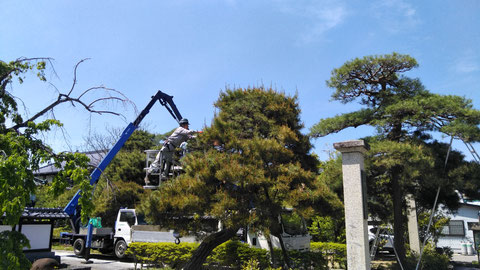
(165, 100)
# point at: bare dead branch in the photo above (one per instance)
(28, 59)
(109, 95)
(75, 75)
(104, 99)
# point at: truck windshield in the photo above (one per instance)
(293, 224)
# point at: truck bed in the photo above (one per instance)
(97, 231)
(154, 234)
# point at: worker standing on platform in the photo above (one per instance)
(164, 158)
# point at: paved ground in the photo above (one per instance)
(99, 262)
(464, 259)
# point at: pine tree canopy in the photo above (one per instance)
(252, 162)
(399, 106)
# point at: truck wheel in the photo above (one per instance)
(120, 248)
(79, 247)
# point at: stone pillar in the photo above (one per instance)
(355, 193)
(413, 237)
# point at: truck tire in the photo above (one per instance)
(120, 248)
(79, 247)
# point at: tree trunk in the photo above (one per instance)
(398, 218)
(212, 241)
(272, 253)
(286, 258)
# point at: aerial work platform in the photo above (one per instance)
(155, 176)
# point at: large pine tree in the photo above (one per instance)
(405, 115)
(252, 162)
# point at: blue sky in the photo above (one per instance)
(194, 49)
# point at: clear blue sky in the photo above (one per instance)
(193, 49)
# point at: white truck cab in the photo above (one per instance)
(126, 218)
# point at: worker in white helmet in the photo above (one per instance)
(164, 158)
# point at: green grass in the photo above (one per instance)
(58, 246)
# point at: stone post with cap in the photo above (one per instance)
(355, 200)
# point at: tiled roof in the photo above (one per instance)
(50, 213)
(94, 156)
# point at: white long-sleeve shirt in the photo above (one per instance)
(180, 135)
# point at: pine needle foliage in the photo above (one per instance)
(252, 162)
(405, 115)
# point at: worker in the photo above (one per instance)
(164, 159)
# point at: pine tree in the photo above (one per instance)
(252, 162)
(403, 112)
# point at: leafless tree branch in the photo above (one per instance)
(110, 94)
(75, 75)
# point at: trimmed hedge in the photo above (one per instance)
(235, 255)
(334, 253)
(161, 254)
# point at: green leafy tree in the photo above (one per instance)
(403, 112)
(253, 162)
(22, 152)
(128, 164)
(327, 229)
(331, 174)
(439, 221)
(122, 181)
(110, 197)
(120, 184)
(11, 246)
(46, 198)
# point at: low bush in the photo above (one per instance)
(308, 260)
(235, 255)
(431, 260)
(335, 254)
(161, 254)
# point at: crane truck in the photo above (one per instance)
(108, 239)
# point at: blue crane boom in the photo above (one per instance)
(72, 208)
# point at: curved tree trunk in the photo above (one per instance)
(206, 247)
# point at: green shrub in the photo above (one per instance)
(253, 264)
(308, 260)
(235, 253)
(327, 229)
(11, 251)
(163, 254)
(431, 260)
(58, 230)
(335, 254)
